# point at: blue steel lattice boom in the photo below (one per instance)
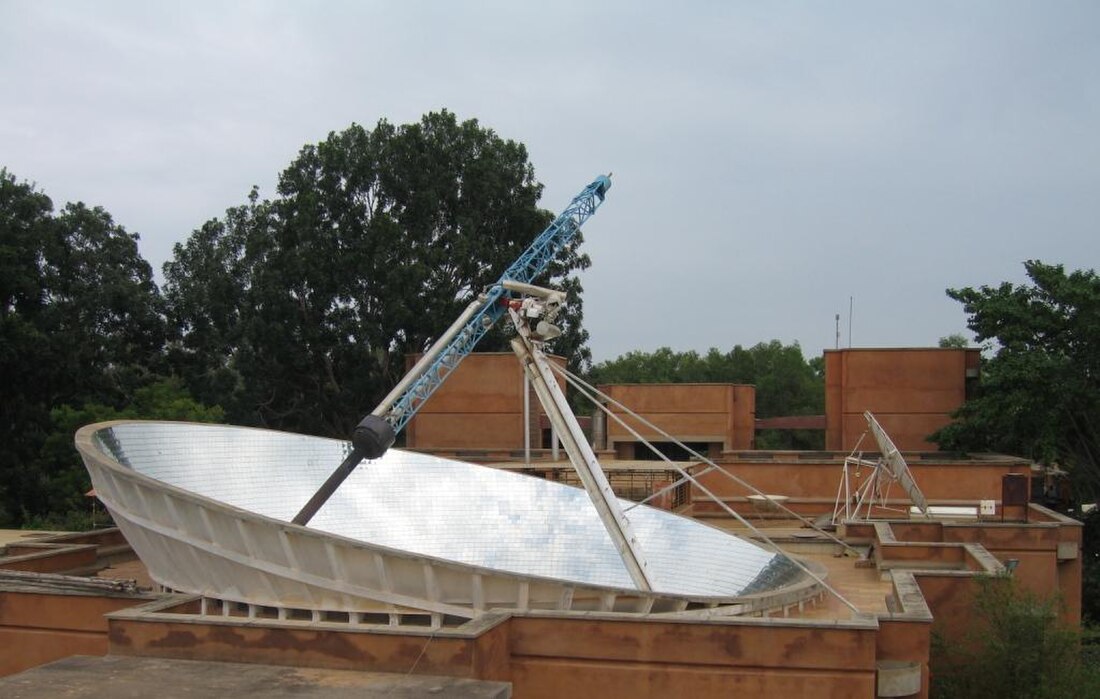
(404, 401)
(377, 431)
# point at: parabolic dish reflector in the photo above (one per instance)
(208, 509)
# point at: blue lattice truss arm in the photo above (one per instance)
(376, 432)
(398, 410)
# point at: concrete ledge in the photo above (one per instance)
(83, 677)
(51, 558)
(70, 553)
(908, 600)
(898, 678)
(29, 582)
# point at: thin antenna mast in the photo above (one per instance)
(850, 304)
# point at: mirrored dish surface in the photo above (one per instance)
(442, 508)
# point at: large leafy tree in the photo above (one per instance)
(25, 229)
(298, 312)
(80, 321)
(1040, 392)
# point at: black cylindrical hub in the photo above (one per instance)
(373, 436)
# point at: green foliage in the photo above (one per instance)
(954, 341)
(297, 313)
(1040, 393)
(64, 479)
(1090, 569)
(26, 228)
(1017, 647)
(294, 313)
(80, 321)
(69, 520)
(786, 384)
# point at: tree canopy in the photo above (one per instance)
(294, 313)
(954, 341)
(297, 312)
(80, 321)
(786, 383)
(1040, 391)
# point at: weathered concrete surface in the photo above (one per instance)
(18, 536)
(82, 676)
(46, 617)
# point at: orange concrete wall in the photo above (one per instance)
(48, 558)
(910, 391)
(480, 406)
(907, 640)
(39, 628)
(1035, 546)
(719, 412)
(950, 598)
(605, 658)
(219, 640)
(547, 656)
(812, 484)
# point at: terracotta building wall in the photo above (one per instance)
(41, 619)
(604, 657)
(1047, 550)
(812, 484)
(480, 406)
(911, 392)
(715, 413)
(592, 654)
(544, 655)
(39, 628)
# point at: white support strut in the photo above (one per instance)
(580, 454)
(874, 491)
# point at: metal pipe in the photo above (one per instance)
(532, 290)
(580, 455)
(526, 418)
(328, 487)
(429, 356)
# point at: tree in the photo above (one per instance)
(1090, 568)
(80, 321)
(64, 480)
(297, 313)
(1040, 392)
(25, 228)
(1017, 646)
(954, 341)
(786, 384)
(663, 365)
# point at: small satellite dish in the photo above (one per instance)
(895, 464)
(874, 491)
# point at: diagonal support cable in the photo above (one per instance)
(585, 388)
(589, 390)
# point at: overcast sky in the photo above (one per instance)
(771, 160)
